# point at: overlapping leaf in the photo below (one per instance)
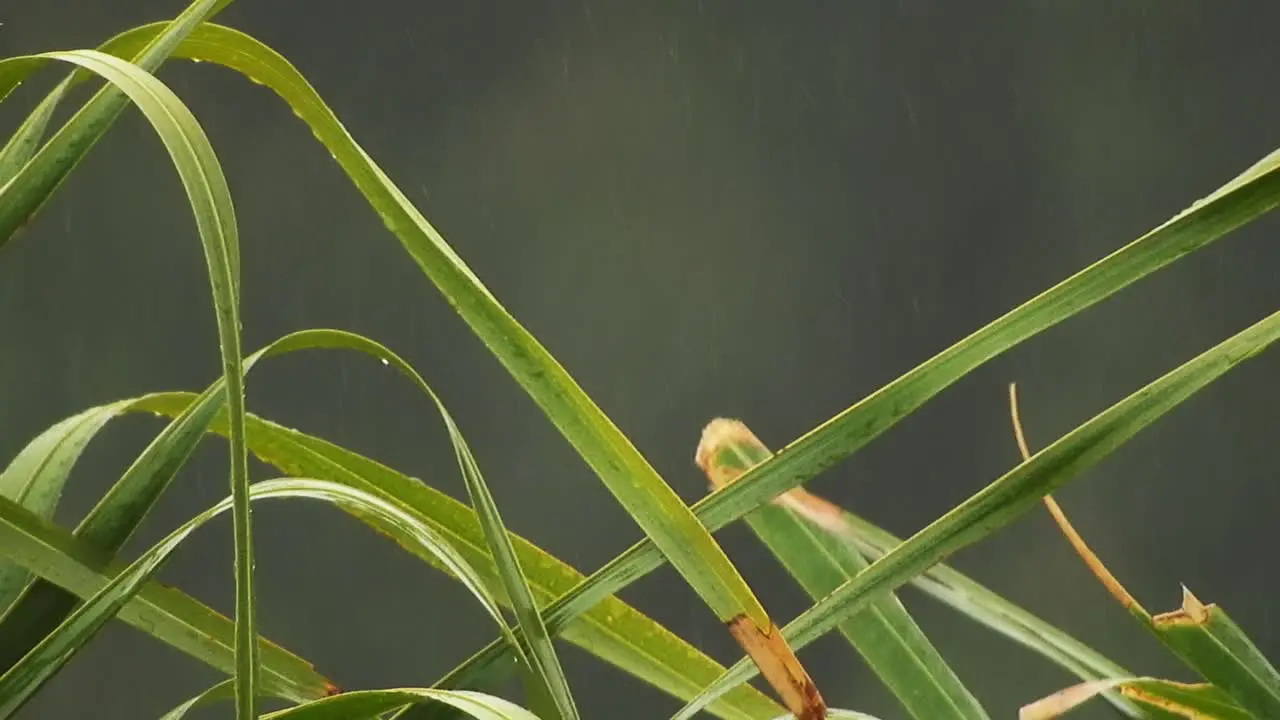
(210, 200)
(1004, 500)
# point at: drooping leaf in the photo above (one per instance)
(24, 538)
(624, 471)
(34, 175)
(35, 479)
(367, 703)
(1255, 192)
(543, 666)
(613, 630)
(210, 201)
(26, 139)
(225, 690)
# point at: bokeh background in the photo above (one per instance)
(756, 209)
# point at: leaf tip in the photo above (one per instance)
(780, 667)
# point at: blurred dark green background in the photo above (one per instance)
(756, 209)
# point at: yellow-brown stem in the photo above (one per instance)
(1091, 560)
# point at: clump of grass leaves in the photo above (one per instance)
(59, 587)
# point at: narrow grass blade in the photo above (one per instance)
(24, 193)
(1001, 502)
(940, 582)
(1254, 193)
(533, 647)
(225, 690)
(210, 200)
(612, 630)
(1208, 641)
(979, 603)
(35, 479)
(1161, 698)
(628, 476)
(23, 540)
(26, 139)
(170, 615)
(545, 665)
(367, 703)
(42, 606)
(116, 516)
(815, 550)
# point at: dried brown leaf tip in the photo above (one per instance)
(718, 436)
(1192, 612)
(1057, 704)
(729, 448)
(780, 668)
(1090, 558)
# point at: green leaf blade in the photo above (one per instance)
(368, 703)
(612, 630)
(210, 200)
(624, 471)
(24, 540)
(30, 187)
(1004, 500)
(894, 647)
(1211, 643)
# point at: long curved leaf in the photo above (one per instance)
(624, 471)
(35, 175)
(24, 538)
(115, 517)
(367, 703)
(210, 200)
(170, 615)
(47, 460)
(1254, 193)
(612, 630)
(224, 690)
(35, 479)
(1001, 502)
(544, 665)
